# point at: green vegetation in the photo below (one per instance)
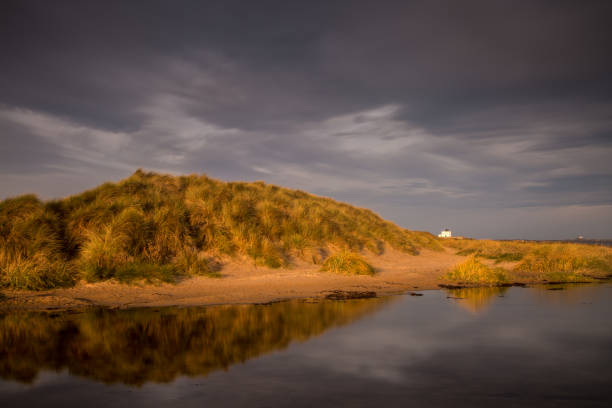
(347, 263)
(555, 262)
(472, 271)
(143, 345)
(159, 227)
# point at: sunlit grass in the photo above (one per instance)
(472, 271)
(567, 277)
(550, 258)
(560, 262)
(171, 227)
(35, 273)
(32, 246)
(567, 262)
(149, 273)
(500, 251)
(347, 263)
(177, 224)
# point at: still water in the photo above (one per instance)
(480, 347)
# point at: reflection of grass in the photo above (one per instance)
(476, 299)
(178, 224)
(347, 263)
(139, 346)
(472, 271)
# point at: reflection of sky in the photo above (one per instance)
(422, 329)
(530, 348)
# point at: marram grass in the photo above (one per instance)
(499, 251)
(555, 262)
(472, 271)
(347, 263)
(160, 227)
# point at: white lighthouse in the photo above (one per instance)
(446, 233)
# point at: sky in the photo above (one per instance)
(492, 118)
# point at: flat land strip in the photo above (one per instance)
(242, 282)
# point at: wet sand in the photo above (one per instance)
(242, 282)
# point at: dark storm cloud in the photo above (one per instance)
(478, 105)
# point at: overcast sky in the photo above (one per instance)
(493, 118)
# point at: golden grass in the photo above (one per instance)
(558, 262)
(165, 226)
(34, 273)
(159, 227)
(32, 246)
(347, 263)
(500, 251)
(472, 271)
(567, 262)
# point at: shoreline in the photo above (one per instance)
(54, 303)
(244, 283)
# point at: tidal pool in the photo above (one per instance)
(468, 347)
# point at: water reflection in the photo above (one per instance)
(476, 300)
(566, 294)
(139, 346)
(532, 347)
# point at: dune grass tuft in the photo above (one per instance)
(472, 271)
(32, 245)
(36, 273)
(347, 263)
(558, 262)
(567, 262)
(147, 272)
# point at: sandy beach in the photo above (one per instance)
(242, 282)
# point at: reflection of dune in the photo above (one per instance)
(138, 346)
(476, 299)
